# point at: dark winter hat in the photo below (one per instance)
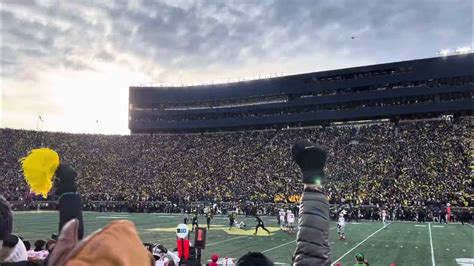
(6, 218)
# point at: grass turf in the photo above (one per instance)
(399, 243)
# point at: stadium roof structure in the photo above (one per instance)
(424, 87)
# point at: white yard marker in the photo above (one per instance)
(431, 245)
(419, 225)
(287, 243)
(362, 242)
(225, 240)
(438, 226)
(465, 261)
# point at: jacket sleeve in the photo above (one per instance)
(70, 207)
(312, 242)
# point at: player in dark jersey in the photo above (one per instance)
(195, 220)
(209, 217)
(260, 224)
(231, 220)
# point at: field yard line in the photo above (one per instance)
(225, 240)
(282, 245)
(279, 246)
(345, 254)
(431, 245)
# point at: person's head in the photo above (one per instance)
(27, 245)
(6, 218)
(50, 244)
(360, 257)
(254, 259)
(159, 251)
(215, 257)
(39, 244)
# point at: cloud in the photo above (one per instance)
(195, 41)
(229, 34)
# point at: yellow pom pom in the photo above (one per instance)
(39, 168)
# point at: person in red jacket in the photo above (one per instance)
(214, 260)
(448, 213)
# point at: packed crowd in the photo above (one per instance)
(410, 163)
(118, 243)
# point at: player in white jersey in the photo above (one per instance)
(384, 218)
(290, 218)
(281, 221)
(240, 225)
(341, 225)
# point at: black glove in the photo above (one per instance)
(66, 182)
(311, 158)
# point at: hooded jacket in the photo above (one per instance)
(12, 251)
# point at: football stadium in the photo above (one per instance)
(398, 174)
(367, 163)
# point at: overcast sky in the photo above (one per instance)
(71, 62)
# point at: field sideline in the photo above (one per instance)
(399, 243)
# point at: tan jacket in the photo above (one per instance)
(116, 244)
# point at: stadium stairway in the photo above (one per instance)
(470, 138)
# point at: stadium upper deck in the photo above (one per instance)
(433, 86)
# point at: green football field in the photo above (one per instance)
(399, 243)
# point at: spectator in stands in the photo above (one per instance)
(254, 259)
(214, 259)
(12, 249)
(400, 166)
(30, 252)
(40, 253)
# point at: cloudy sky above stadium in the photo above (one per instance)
(71, 62)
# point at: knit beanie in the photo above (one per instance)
(6, 218)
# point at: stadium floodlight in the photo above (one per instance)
(463, 50)
(444, 52)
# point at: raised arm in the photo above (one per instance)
(70, 203)
(312, 242)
